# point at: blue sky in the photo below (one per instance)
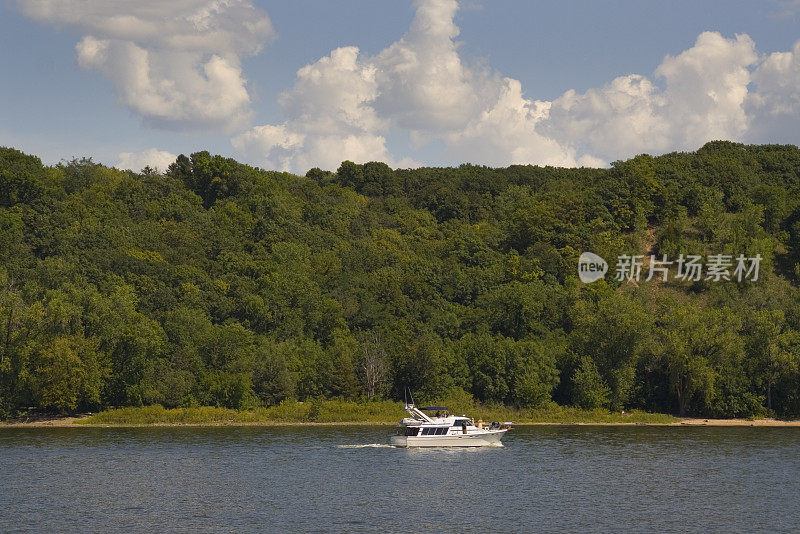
(430, 82)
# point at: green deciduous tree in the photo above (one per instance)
(614, 331)
(68, 372)
(774, 349)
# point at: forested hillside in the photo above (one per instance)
(215, 283)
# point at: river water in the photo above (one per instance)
(345, 479)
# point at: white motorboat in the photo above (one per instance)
(445, 430)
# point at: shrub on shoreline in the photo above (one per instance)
(342, 411)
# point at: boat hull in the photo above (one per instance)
(483, 439)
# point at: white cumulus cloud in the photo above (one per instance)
(346, 105)
(775, 104)
(506, 133)
(703, 98)
(330, 118)
(423, 83)
(177, 64)
(152, 157)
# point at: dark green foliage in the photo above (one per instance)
(590, 391)
(23, 179)
(217, 283)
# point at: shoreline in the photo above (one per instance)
(76, 422)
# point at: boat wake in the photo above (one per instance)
(366, 446)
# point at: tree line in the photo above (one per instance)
(216, 283)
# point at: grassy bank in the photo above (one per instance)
(337, 411)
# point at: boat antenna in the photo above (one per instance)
(407, 393)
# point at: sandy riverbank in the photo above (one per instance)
(77, 422)
(737, 422)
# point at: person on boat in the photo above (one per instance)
(480, 423)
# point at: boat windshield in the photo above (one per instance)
(440, 410)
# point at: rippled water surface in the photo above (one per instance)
(344, 479)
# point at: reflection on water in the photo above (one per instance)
(589, 479)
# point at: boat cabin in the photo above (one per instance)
(440, 424)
